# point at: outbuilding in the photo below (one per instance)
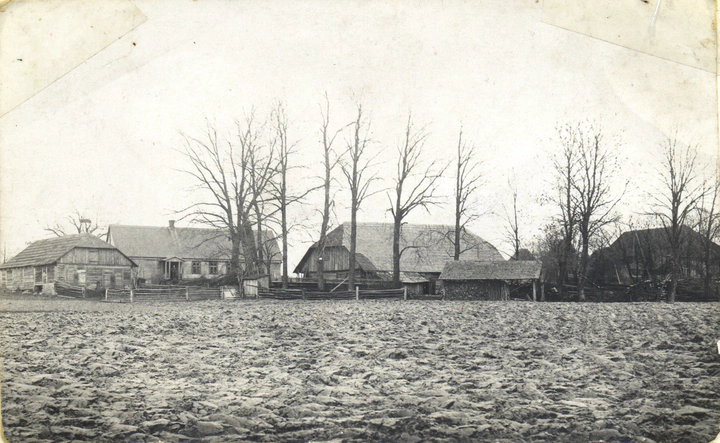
(79, 259)
(491, 280)
(425, 250)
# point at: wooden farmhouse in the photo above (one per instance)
(173, 254)
(497, 280)
(426, 250)
(644, 254)
(80, 259)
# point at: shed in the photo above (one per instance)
(253, 283)
(490, 280)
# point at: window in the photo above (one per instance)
(213, 267)
(195, 268)
(93, 257)
(39, 275)
(126, 275)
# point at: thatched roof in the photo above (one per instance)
(427, 247)
(496, 270)
(49, 251)
(184, 243)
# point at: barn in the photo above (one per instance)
(426, 250)
(496, 280)
(79, 259)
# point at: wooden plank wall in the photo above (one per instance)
(335, 258)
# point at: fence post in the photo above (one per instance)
(303, 294)
(83, 291)
(187, 293)
(404, 292)
(357, 292)
(131, 295)
(106, 290)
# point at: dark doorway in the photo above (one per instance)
(174, 271)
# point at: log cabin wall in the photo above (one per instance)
(108, 276)
(19, 278)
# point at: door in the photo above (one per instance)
(174, 271)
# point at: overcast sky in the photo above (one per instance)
(102, 138)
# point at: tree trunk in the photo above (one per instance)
(320, 270)
(458, 202)
(708, 274)
(353, 238)
(673, 280)
(396, 252)
(235, 254)
(283, 222)
(582, 278)
(249, 249)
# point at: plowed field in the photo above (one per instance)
(222, 371)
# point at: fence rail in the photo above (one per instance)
(66, 290)
(176, 293)
(358, 294)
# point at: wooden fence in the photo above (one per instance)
(63, 289)
(173, 293)
(358, 294)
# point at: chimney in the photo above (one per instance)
(172, 224)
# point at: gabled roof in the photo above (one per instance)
(48, 251)
(653, 242)
(496, 270)
(427, 247)
(658, 237)
(185, 243)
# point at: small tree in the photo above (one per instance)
(677, 196)
(512, 227)
(415, 186)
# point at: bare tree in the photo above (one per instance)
(233, 179)
(512, 227)
(263, 168)
(330, 161)
(77, 223)
(709, 227)
(468, 179)
(283, 196)
(415, 186)
(215, 174)
(594, 197)
(565, 171)
(678, 194)
(355, 166)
